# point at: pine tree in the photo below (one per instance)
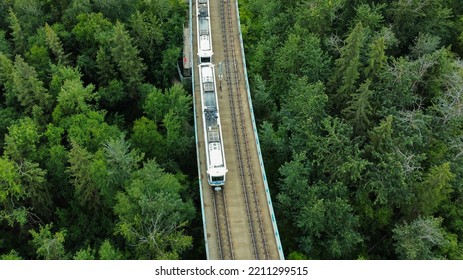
(55, 45)
(19, 39)
(348, 65)
(126, 56)
(359, 109)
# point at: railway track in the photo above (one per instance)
(224, 240)
(241, 139)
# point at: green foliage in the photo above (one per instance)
(55, 45)
(374, 138)
(91, 28)
(336, 158)
(30, 13)
(12, 255)
(419, 239)
(87, 174)
(73, 99)
(17, 33)
(7, 117)
(126, 57)
(48, 245)
(146, 137)
(425, 44)
(89, 130)
(370, 16)
(319, 15)
(21, 140)
(56, 166)
(359, 108)
(74, 77)
(60, 74)
(359, 112)
(112, 94)
(38, 57)
(115, 9)
(296, 256)
(76, 8)
(147, 32)
(347, 66)
(434, 189)
(377, 58)
(318, 210)
(108, 252)
(11, 191)
(121, 161)
(25, 89)
(85, 254)
(4, 44)
(409, 18)
(152, 215)
(302, 111)
(461, 34)
(35, 186)
(6, 68)
(262, 102)
(176, 100)
(169, 136)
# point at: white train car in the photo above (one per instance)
(204, 31)
(215, 155)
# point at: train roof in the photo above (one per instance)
(215, 153)
(204, 43)
(206, 72)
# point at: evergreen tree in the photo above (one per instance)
(55, 45)
(19, 38)
(48, 245)
(126, 57)
(359, 108)
(152, 215)
(348, 65)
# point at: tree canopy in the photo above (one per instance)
(82, 83)
(359, 108)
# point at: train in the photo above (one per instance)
(204, 31)
(213, 138)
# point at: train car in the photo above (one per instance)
(204, 31)
(215, 156)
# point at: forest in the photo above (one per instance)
(360, 109)
(97, 134)
(359, 105)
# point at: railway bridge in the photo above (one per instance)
(239, 222)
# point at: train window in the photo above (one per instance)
(215, 179)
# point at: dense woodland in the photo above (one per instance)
(359, 107)
(96, 137)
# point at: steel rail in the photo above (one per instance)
(249, 183)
